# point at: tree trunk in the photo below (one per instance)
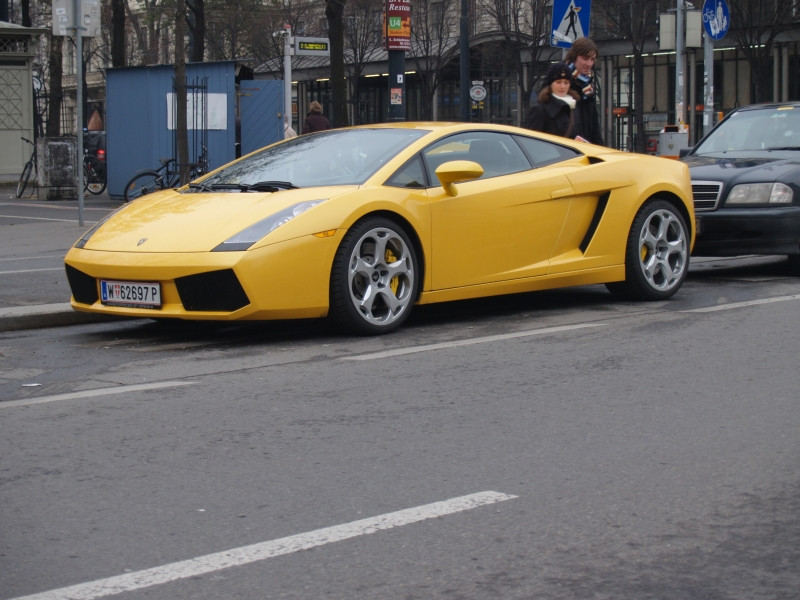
(53, 127)
(180, 91)
(117, 33)
(334, 11)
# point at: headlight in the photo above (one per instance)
(85, 237)
(760, 193)
(247, 237)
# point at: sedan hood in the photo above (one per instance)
(192, 222)
(741, 170)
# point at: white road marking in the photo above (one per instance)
(31, 270)
(235, 557)
(122, 389)
(471, 341)
(743, 304)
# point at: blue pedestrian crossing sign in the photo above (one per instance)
(570, 21)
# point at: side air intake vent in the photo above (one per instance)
(84, 287)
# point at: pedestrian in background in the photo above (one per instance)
(315, 120)
(580, 59)
(554, 109)
(288, 130)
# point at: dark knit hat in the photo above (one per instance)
(556, 71)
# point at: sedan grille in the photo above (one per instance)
(706, 194)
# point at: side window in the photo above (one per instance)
(544, 153)
(497, 153)
(410, 175)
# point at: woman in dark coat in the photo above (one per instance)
(315, 120)
(554, 110)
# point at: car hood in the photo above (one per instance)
(741, 170)
(169, 221)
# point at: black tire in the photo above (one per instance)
(656, 254)
(94, 179)
(142, 184)
(374, 279)
(794, 263)
(23, 179)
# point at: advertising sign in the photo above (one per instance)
(398, 24)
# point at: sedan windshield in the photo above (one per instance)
(763, 129)
(335, 157)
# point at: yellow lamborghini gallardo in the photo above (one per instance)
(360, 224)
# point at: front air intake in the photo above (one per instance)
(83, 286)
(217, 291)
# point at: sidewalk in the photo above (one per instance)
(33, 285)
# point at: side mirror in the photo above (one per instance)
(457, 171)
(683, 152)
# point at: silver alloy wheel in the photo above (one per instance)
(381, 276)
(663, 250)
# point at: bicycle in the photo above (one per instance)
(32, 166)
(167, 176)
(94, 174)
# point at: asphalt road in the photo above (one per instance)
(555, 445)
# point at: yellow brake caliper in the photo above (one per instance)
(395, 282)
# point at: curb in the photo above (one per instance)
(46, 315)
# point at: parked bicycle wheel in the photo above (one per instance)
(94, 177)
(23, 179)
(143, 184)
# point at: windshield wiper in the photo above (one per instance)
(261, 186)
(784, 148)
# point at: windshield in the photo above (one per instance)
(335, 157)
(765, 129)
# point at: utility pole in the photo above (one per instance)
(680, 107)
(464, 52)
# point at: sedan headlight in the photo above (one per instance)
(760, 193)
(247, 237)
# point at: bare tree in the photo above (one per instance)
(525, 26)
(637, 22)
(53, 126)
(434, 37)
(755, 25)
(147, 25)
(334, 11)
(363, 36)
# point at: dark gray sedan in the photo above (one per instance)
(746, 183)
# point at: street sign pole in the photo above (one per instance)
(76, 12)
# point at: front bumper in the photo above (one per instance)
(732, 232)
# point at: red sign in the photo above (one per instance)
(398, 24)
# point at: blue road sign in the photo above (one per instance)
(570, 21)
(716, 18)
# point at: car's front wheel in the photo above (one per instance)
(656, 254)
(375, 278)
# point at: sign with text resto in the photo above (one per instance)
(398, 24)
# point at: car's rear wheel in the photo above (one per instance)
(656, 254)
(374, 279)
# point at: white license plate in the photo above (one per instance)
(139, 294)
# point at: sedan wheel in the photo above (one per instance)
(657, 253)
(374, 279)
